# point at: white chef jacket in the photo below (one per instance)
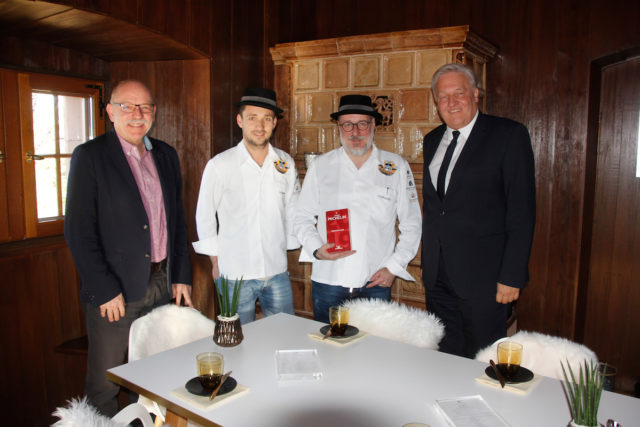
(382, 190)
(254, 207)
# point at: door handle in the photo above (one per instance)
(29, 157)
(2, 156)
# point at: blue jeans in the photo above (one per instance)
(274, 294)
(324, 296)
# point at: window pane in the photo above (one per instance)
(47, 188)
(64, 174)
(73, 121)
(44, 126)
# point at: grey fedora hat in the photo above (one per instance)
(259, 97)
(356, 104)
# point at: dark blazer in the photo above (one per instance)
(484, 226)
(106, 225)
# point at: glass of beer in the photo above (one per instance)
(509, 358)
(339, 319)
(210, 368)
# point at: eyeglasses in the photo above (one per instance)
(130, 108)
(348, 126)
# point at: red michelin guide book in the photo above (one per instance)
(338, 230)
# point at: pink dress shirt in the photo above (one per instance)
(146, 176)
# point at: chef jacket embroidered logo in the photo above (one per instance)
(281, 165)
(388, 168)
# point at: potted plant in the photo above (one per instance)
(584, 392)
(228, 330)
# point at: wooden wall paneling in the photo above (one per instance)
(37, 56)
(614, 273)
(126, 10)
(71, 317)
(4, 182)
(167, 17)
(222, 95)
(247, 60)
(24, 364)
(43, 286)
(194, 155)
(203, 23)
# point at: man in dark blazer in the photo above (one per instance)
(125, 226)
(479, 214)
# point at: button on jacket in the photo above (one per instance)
(254, 207)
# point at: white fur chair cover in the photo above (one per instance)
(164, 328)
(167, 327)
(396, 322)
(542, 353)
(79, 413)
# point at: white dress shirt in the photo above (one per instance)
(375, 200)
(254, 207)
(438, 156)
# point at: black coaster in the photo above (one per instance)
(522, 376)
(193, 386)
(349, 332)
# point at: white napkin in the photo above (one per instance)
(520, 388)
(338, 341)
(203, 402)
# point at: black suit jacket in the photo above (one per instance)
(484, 226)
(106, 225)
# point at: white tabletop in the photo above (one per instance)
(371, 382)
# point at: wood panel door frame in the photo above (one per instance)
(591, 163)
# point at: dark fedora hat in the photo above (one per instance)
(356, 104)
(259, 97)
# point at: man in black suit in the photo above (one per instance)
(479, 214)
(125, 226)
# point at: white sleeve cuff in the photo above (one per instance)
(206, 246)
(398, 270)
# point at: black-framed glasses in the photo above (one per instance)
(127, 107)
(362, 125)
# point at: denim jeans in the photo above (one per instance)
(274, 294)
(324, 296)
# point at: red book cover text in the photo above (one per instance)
(338, 230)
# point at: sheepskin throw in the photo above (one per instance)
(167, 327)
(396, 322)
(79, 413)
(542, 353)
(164, 328)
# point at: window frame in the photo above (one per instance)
(27, 83)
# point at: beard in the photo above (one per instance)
(357, 152)
(251, 140)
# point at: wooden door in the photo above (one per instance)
(613, 302)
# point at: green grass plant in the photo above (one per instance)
(228, 308)
(584, 393)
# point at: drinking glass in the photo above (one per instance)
(509, 358)
(339, 319)
(210, 368)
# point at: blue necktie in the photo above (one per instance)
(442, 173)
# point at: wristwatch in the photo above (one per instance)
(315, 253)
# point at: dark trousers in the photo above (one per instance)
(324, 296)
(469, 324)
(109, 342)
